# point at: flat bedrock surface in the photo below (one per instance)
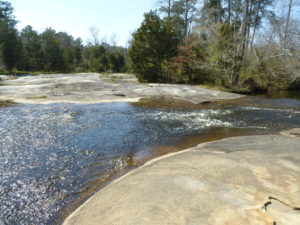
(240, 180)
(93, 88)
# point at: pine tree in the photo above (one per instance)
(153, 44)
(10, 44)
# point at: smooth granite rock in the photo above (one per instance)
(292, 133)
(93, 88)
(251, 180)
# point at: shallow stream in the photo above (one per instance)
(53, 157)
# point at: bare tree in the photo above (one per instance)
(166, 7)
(229, 10)
(95, 37)
(287, 23)
(113, 39)
(186, 9)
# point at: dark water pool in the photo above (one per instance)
(52, 157)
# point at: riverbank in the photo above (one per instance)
(96, 88)
(240, 180)
(91, 145)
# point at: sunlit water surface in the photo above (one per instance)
(52, 157)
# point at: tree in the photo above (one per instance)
(53, 53)
(2, 66)
(94, 32)
(226, 55)
(32, 59)
(212, 11)
(66, 44)
(166, 7)
(185, 10)
(78, 48)
(258, 11)
(287, 23)
(153, 44)
(9, 41)
(116, 62)
(187, 65)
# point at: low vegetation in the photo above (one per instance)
(38, 97)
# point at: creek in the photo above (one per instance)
(55, 156)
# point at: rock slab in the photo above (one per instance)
(94, 88)
(251, 180)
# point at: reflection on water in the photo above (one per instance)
(52, 157)
(282, 94)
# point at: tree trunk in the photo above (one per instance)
(244, 27)
(229, 10)
(242, 47)
(248, 27)
(169, 8)
(287, 24)
(254, 28)
(186, 15)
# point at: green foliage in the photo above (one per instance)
(53, 59)
(32, 50)
(225, 55)
(219, 45)
(188, 65)
(184, 13)
(10, 44)
(104, 58)
(52, 51)
(153, 44)
(212, 11)
(38, 97)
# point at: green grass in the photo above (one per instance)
(17, 72)
(38, 97)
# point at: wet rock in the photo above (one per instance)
(241, 180)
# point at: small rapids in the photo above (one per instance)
(52, 157)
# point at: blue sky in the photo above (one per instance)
(111, 17)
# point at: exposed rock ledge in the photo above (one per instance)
(93, 88)
(235, 181)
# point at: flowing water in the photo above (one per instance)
(52, 157)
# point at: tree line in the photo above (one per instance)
(52, 51)
(243, 45)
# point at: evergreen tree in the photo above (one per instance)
(32, 59)
(153, 44)
(212, 11)
(10, 43)
(54, 60)
(184, 13)
(78, 48)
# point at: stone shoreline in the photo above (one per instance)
(241, 180)
(97, 88)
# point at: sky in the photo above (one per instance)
(113, 18)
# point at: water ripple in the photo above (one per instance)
(51, 154)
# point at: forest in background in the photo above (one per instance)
(51, 51)
(243, 45)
